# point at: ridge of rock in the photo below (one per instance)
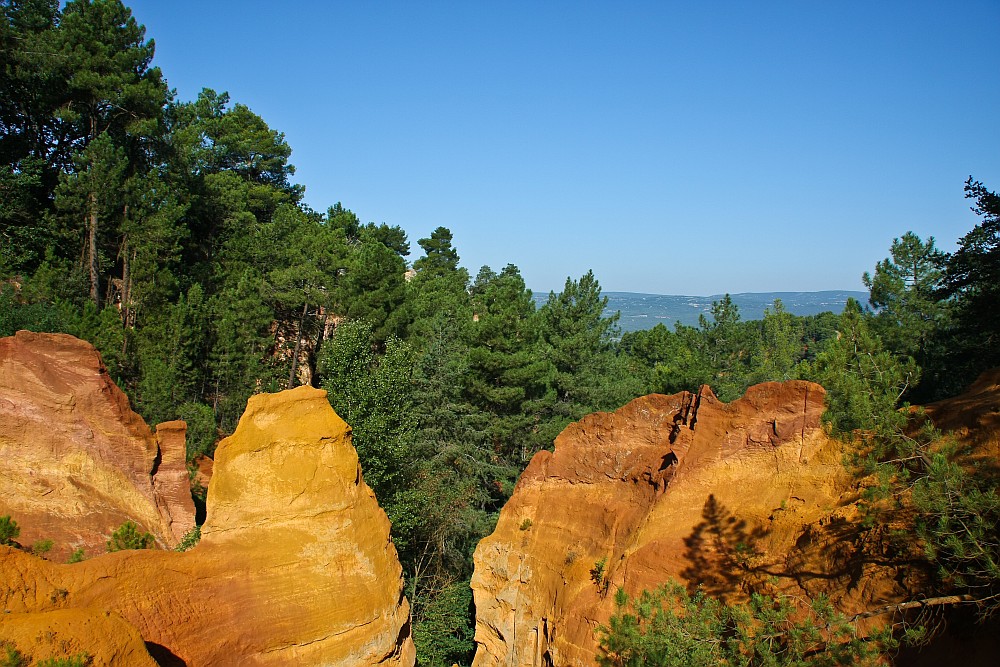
(295, 565)
(75, 461)
(663, 488)
(973, 416)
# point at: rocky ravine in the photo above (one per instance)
(295, 565)
(75, 461)
(678, 487)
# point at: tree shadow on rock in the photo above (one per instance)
(722, 551)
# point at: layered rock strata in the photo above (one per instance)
(680, 487)
(75, 461)
(295, 563)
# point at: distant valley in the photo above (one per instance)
(645, 311)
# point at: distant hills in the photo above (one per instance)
(645, 311)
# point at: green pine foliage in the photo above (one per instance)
(972, 286)
(9, 530)
(865, 381)
(41, 547)
(11, 657)
(779, 348)
(171, 235)
(81, 659)
(190, 539)
(959, 516)
(128, 536)
(669, 626)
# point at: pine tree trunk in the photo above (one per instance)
(126, 280)
(319, 344)
(298, 345)
(92, 250)
(126, 291)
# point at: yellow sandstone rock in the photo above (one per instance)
(295, 566)
(105, 637)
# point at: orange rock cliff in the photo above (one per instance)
(750, 494)
(295, 564)
(668, 487)
(75, 461)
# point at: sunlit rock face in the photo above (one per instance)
(295, 565)
(680, 487)
(75, 461)
(105, 637)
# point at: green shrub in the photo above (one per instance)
(41, 547)
(127, 536)
(76, 556)
(190, 539)
(12, 657)
(599, 575)
(9, 530)
(443, 628)
(670, 627)
(78, 660)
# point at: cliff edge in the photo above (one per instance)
(295, 564)
(75, 461)
(680, 487)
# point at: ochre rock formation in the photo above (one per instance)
(295, 565)
(75, 461)
(202, 470)
(104, 636)
(973, 416)
(680, 487)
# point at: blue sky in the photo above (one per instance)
(676, 148)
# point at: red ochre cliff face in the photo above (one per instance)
(729, 497)
(664, 488)
(295, 564)
(75, 461)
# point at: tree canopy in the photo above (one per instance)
(172, 236)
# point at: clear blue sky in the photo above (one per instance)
(677, 148)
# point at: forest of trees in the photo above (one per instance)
(171, 235)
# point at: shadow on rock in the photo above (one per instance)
(723, 553)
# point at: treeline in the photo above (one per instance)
(935, 312)
(169, 234)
